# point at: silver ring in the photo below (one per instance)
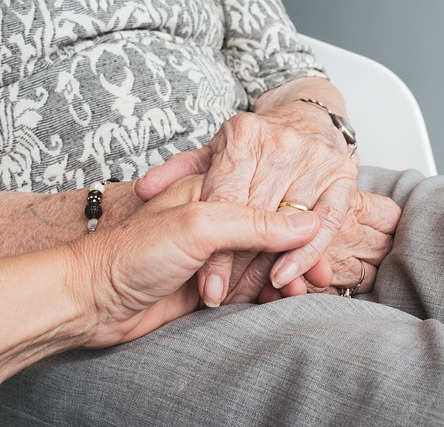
(355, 147)
(350, 292)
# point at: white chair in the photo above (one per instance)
(389, 125)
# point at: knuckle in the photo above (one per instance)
(311, 252)
(387, 247)
(193, 216)
(220, 262)
(263, 225)
(227, 192)
(246, 121)
(333, 218)
(244, 127)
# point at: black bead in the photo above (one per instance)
(93, 210)
(94, 196)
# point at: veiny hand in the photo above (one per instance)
(366, 235)
(293, 153)
(142, 269)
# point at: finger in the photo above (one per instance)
(251, 272)
(185, 190)
(378, 212)
(329, 290)
(247, 272)
(294, 288)
(242, 262)
(176, 167)
(253, 280)
(332, 207)
(369, 245)
(269, 294)
(233, 227)
(321, 274)
(213, 278)
(350, 274)
(228, 180)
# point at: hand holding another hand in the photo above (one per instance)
(143, 269)
(291, 153)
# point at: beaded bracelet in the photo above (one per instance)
(93, 210)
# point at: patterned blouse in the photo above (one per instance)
(96, 88)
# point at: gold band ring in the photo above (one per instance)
(350, 292)
(294, 205)
(133, 187)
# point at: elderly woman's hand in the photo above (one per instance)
(292, 153)
(366, 236)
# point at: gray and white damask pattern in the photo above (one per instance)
(96, 88)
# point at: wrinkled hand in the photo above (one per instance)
(366, 235)
(142, 269)
(293, 153)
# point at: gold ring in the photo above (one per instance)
(294, 205)
(350, 292)
(133, 187)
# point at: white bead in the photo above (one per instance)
(97, 186)
(92, 225)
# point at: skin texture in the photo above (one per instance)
(126, 280)
(47, 220)
(286, 150)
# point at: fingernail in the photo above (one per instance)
(284, 275)
(302, 222)
(214, 288)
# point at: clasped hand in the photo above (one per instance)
(139, 275)
(292, 153)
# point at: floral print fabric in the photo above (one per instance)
(91, 89)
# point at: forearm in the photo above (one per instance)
(39, 315)
(32, 222)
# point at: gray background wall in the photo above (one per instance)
(406, 36)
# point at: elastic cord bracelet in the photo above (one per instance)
(93, 210)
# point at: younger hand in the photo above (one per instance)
(142, 270)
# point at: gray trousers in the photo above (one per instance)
(312, 360)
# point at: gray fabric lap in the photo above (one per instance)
(300, 361)
(411, 276)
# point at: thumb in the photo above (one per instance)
(176, 167)
(215, 226)
(229, 227)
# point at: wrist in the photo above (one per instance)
(89, 283)
(45, 220)
(40, 316)
(341, 123)
(119, 203)
(303, 87)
